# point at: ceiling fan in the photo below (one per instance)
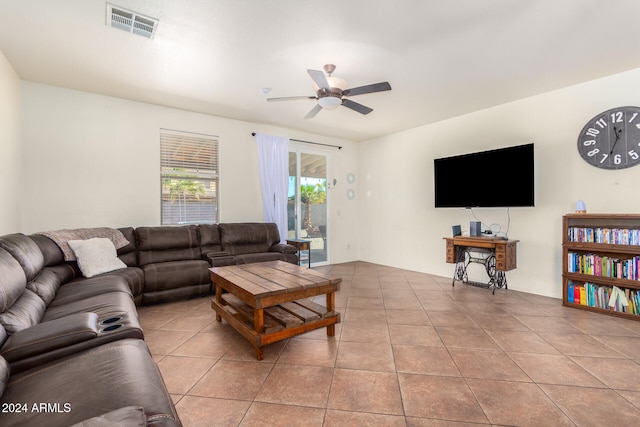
(331, 92)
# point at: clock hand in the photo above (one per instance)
(618, 132)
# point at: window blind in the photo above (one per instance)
(189, 177)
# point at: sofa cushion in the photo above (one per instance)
(259, 257)
(27, 311)
(209, 239)
(129, 416)
(87, 288)
(89, 384)
(45, 285)
(163, 244)
(163, 276)
(52, 253)
(4, 374)
(13, 280)
(128, 253)
(103, 305)
(26, 251)
(248, 237)
(95, 256)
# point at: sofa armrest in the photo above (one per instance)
(283, 248)
(52, 335)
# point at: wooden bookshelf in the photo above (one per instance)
(600, 252)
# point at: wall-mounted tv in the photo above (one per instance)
(487, 179)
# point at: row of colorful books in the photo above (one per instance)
(623, 300)
(611, 236)
(604, 266)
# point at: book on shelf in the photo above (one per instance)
(605, 235)
(623, 300)
(605, 266)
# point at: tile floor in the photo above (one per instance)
(410, 351)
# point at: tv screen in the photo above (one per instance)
(487, 179)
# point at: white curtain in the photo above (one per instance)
(273, 160)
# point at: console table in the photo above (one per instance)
(498, 255)
(301, 245)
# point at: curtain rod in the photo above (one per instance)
(339, 147)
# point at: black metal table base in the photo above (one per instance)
(497, 278)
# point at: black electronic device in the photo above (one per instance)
(475, 228)
(495, 178)
(456, 230)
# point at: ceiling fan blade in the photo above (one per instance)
(291, 98)
(356, 107)
(319, 78)
(361, 90)
(311, 114)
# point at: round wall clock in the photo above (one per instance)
(611, 140)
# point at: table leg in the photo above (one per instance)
(331, 304)
(258, 320)
(219, 300)
(259, 354)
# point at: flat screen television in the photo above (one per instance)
(487, 179)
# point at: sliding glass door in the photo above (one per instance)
(307, 206)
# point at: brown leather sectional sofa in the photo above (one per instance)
(72, 349)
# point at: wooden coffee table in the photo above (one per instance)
(271, 301)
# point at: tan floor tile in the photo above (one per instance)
(521, 341)
(309, 352)
(335, 418)
(205, 344)
(408, 317)
(622, 374)
(365, 391)
(469, 338)
(414, 335)
(517, 404)
(593, 406)
(181, 373)
(297, 385)
(402, 304)
(457, 319)
(232, 379)
(365, 356)
(207, 412)
(424, 360)
(357, 332)
(365, 302)
(554, 369)
(445, 398)
(579, 345)
(493, 365)
(164, 342)
(272, 415)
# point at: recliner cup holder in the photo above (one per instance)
(112, 327)
(111, 320)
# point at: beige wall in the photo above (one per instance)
(397, 184)
(92, 160)
(10, 149)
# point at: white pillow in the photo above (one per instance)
(96, 256)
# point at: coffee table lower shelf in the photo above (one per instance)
(279, 322)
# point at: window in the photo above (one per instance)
(189, 177)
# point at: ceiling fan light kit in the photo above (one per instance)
(331, 92)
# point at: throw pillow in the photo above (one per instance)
(96, 256)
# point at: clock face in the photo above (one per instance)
(611, 140)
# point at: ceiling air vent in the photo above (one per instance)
(132, 22)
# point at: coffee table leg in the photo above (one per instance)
(219, 300)
(258, 324)
(331, 303)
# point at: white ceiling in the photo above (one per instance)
(442, 58)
